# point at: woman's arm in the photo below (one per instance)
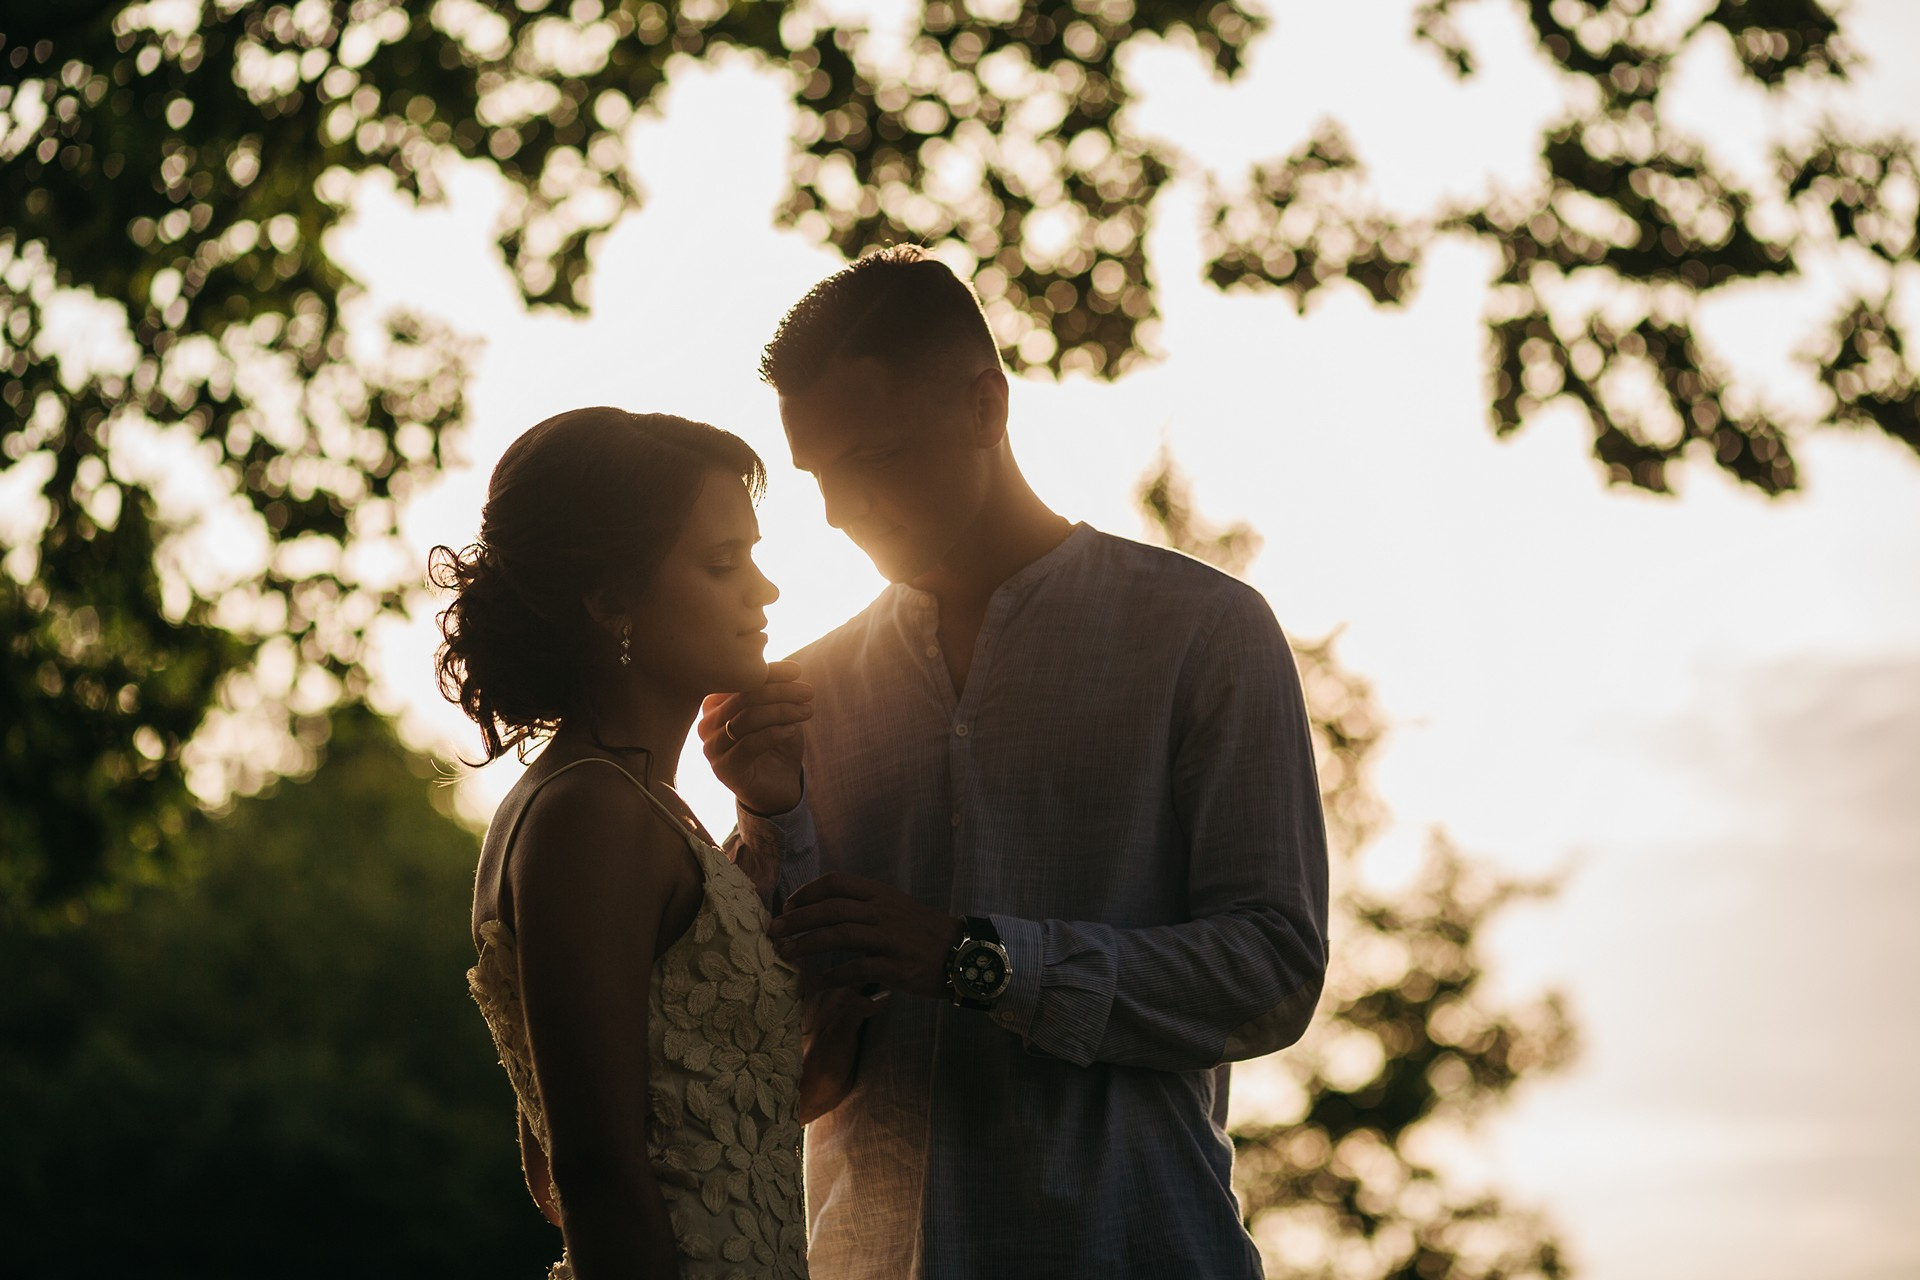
(832, 1024)
(596, 875)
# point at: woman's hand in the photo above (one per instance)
(830, 1025)
(753, 739)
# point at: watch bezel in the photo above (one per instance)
(970, 947)
(977, 935)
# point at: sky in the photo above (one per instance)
(1703, 712)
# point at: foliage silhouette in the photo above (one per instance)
(1404, 1036)
(183, 164)
(275, 1057)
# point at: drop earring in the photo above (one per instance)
(626, 645)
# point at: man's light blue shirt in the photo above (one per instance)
(1126, 788)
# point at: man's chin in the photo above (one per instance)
(893, 566)
(893, 555)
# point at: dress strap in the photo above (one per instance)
(513, 831)
(678, 823)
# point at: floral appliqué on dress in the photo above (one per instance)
(723, 1035)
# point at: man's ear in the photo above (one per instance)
(989, 391)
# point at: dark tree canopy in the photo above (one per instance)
(172, 173)
(1630, 199)
(183, 164)
(275, 1058)
(1024, 103)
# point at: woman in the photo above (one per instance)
(651, 1034)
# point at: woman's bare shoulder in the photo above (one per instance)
(592, 824)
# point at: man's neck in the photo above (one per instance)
(1010, 535)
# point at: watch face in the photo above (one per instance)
(980, 970)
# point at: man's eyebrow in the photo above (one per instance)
(820, 463)
(857, 446)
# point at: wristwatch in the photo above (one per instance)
(978, 970)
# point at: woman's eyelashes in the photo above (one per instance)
(730, 557)
(722, 557)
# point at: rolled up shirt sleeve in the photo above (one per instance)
(1241, 977)
(788, 836)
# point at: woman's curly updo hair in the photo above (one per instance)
(586, 500)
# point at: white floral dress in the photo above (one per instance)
(723, 1034)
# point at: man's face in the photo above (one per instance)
(899, 461)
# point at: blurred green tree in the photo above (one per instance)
(1404, 1038)
(180, 165)
(275, 1058)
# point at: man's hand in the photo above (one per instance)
(753, 739)
(892, 938)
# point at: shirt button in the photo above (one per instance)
(933, 651)
(960, 729)
(956, 817)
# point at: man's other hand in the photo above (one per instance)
(890, 938)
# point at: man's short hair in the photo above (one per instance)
(898, 305)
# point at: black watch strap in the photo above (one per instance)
(982, 928)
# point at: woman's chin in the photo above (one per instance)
(748, 675)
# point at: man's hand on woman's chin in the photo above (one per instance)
(753, 739)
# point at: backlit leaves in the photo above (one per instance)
(186, 163)
(1625, 199)
(999, 130)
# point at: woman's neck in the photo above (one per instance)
(626, 714)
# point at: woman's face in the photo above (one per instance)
(700, 627)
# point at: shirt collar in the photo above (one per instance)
(1071, 547)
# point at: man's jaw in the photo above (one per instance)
(877, 545)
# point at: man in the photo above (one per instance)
(1061, 789)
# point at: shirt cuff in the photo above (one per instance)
(1058, 1006)
(792, 834)
(1017, 1005)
